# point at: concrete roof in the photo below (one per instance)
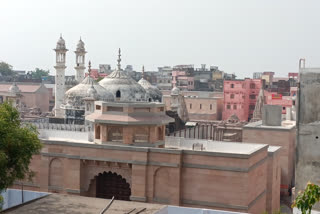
(215, 147)
(58, 203)
(285, 126)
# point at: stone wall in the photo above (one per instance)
(227, 181)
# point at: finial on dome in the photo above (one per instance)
(143, 72)
(60, 35)
(89, 67)
(80, 38)
(119, 60)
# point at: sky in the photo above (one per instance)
(239, 36)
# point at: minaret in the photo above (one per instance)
(142, 76)
(80, 61)
(119, 60)
(60, 76)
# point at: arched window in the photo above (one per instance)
(118, 94)
(149, 99)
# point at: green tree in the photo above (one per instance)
(18, 143)
(6, 69)
(39, 73)
(306, 199)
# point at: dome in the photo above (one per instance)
(80, 45)
(92, 92)
(175, 91)
(88, 87)
(14, 88)
(153, 93)
(122, 86)
(61, 44)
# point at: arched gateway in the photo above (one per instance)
(110, 184)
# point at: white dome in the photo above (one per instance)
(88, 87)
(123, 87)
(92, 92)
(175, 91)
(61, 44)
(80, 45)
(14, 88)
(153, 92)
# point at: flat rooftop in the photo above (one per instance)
(285, 125)
(59, 203)
(231, 148)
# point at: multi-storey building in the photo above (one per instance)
(182, 77)
(240, 97)
(164, 78)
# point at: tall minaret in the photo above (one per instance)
(60, 76)
(80, 61)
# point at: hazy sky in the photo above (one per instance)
(240, 36)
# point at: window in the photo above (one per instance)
(252, 96)
(190, 105)
(251, 107)
(98, 107)
(118, 94)
(210, 106)
(234, 106)
(232, 85)
(200, 106)
(231, 96)
(168, 81)
(283, 108)
(252, 86)
(228, 107)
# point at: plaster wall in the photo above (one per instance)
(308, 139)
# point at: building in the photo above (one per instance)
(33, 95)
(282, 134)
(203, 79)
(180, 174)
(96, 74)
(257, 75)
(183, 77)
(164, 78)
(199, 105)
(240, 97)
(308, 117)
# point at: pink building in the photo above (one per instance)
(240, 98)
(273, 98)
(182, 77)
(95, 74)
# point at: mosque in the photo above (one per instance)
(116, 87)
(121, 150)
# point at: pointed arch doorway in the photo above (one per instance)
(110, 184)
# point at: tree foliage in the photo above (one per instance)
(39, 73)
(18, 143)
(306, 199)
(6, 69)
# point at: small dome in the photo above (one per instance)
(14, 88)
(122, 86)
(80, 45)
(92, 92)
(153, 93)
(61, 44)
(88, 87)
(175, 91)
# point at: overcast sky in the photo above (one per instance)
(240, 36)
